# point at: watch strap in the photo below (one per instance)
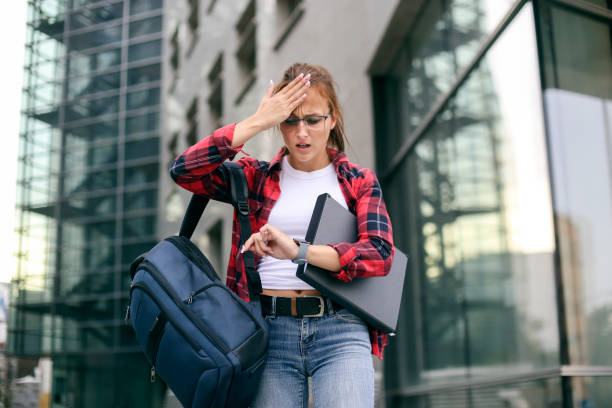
(301, 256)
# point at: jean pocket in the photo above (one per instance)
(348, 317)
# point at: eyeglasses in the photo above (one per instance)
(311, 122)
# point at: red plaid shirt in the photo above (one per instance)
(198, 170)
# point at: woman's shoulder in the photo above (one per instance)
(354, 171)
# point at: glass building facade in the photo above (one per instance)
(87, 195)
(495, 154)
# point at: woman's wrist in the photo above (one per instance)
(246, 129)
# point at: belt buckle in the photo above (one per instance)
(321, 307)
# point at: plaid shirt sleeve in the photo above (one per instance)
(198, 168)
(372, 254)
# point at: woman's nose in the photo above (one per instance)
(302, 128)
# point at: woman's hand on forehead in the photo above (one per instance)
(276, 107)
(273, 109)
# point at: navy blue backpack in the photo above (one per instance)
(208, 345)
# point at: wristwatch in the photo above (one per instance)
(301, 256)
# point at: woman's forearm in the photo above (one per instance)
(246, 129)
(324, 257)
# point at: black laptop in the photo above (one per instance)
(376, 300)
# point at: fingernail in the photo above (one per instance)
(301, 75)
(308, 76)
(242, 250)
(271, 82)
(307, 84)
(303, 96)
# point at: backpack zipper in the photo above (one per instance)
(149, 292)
(233, 296)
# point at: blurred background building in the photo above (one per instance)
(489, 125)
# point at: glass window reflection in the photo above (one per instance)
(103, 36)
(144, 74)
(150, 49)
(147, 122)
(471, 204)
(106, 129)
(578, 61)
(142, 174)
(140, 6)
(142, 148)
(142, 99)
(446, 37)
(88, 108)
(91, 16)
(145, 26)
(84, 63)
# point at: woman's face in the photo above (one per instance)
(307, 139)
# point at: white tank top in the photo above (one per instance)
(291, 214)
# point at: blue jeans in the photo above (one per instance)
(334, 350)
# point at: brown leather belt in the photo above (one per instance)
(300, 306)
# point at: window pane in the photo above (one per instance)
(141, 75)
(88, 108)
(471, 205)
(139, 226)
(96, 38)
(83, 157)
(132, 251)
(143, 174)
(86, 85)
(147, 122)
(541, 393)
(90, 16)
(78, 181)
(145, 50)
(142, 99)
(139, 200)
(578, 75)
(107, 129)
(139, 149)
(146, 26)
(140, 6)
(592, 391)
(86, 207)
(80, 63)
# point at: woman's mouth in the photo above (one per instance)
(302, 146)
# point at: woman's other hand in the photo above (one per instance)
(273, 109)
(271, 241)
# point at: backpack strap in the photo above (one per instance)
(240, 200)
(196, 207)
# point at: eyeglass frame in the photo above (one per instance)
(296, 122)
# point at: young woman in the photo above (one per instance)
(333, 348)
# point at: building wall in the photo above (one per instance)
(341, 35)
